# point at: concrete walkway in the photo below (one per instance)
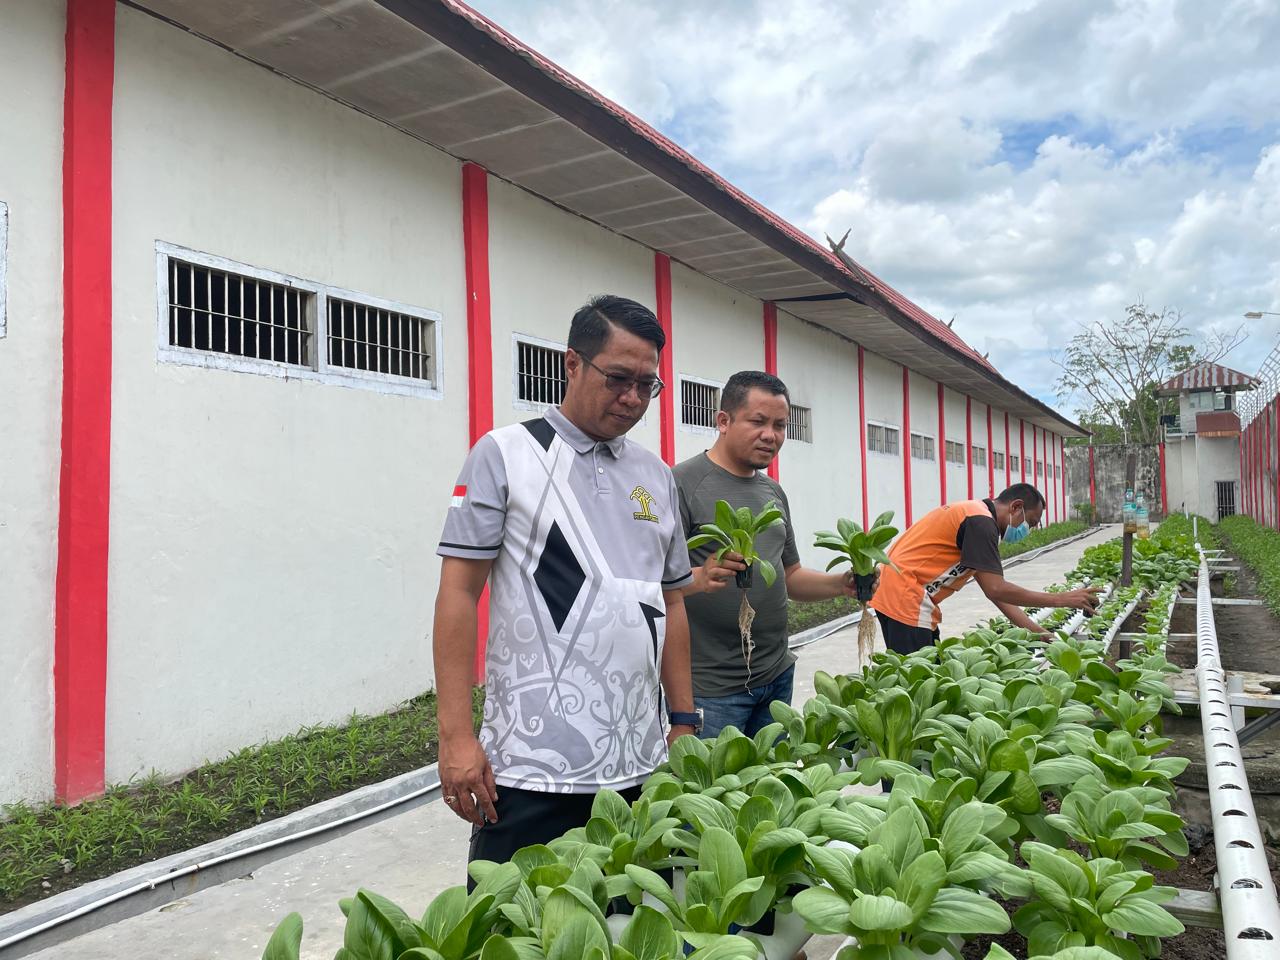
(412, 857)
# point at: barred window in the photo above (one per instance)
(362, 337)
(1057, 471)
(540, 376)
(800, 424)
(1039, 468)
(698, 403)
(218, 311)
(882, 439)
(922, 447)
(979, 456)
(955, 452)
(1026, 464)
(997, 459)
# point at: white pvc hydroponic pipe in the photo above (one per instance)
(1250, 913)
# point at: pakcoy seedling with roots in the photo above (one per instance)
(736, 530)
(863, 550)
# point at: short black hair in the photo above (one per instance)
(1025, 492)
(734, 393)
(591, 324)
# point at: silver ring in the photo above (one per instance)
(450, 799)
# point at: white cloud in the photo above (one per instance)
(1025, 167)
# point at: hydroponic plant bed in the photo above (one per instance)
(1030, 792)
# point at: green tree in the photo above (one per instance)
(1112, 371)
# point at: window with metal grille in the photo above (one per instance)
(922, 447)
(1226, 498)
(1057, 472)
(1039, 468)
(218, 311)
(955, 452)
(698, 403)
(883, 439)
(540, 376)
(997, 459)
(363, 337)
(979, 456)
(1026, 464)
(800, 424)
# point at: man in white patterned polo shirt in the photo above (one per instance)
(577, 532)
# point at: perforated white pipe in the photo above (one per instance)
(1250, 913)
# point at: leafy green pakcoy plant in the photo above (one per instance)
(1100, 903)
(1128, 761)
(893, 896)
(730, 762)
(736, 530)
(972, 836)
(863, 550)
(1118, 824)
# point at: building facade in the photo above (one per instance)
(1201, 455)
(268, 270)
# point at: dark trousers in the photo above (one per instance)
(903, 638)
(527, 817)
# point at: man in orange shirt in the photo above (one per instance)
(947, 548)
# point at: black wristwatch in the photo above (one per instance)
(687, 719)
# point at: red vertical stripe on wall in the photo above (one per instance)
(84, 483)
(771, 357)
(1276, 411)
(862, 436)
(906, 441)
(1062, 460)
(991, 457)
(968, 446)
(666, 401)
(1022, 448)
(1243, 483)
(942, 446)
(1008, 460)
(475, 247)
(1053, 450)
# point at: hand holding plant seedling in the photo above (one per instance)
(736, 531)
(863, 550)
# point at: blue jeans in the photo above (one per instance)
(747, 710)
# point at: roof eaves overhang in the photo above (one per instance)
(486, 45)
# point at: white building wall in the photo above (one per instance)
(823, 479)
(926, 480)
(957, 487)
(882, 390)
(1217, 458)
(272, 560)
(717, 331)
(31, 79)
(981, 474)
(544, 264)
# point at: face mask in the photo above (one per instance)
(1019, 533)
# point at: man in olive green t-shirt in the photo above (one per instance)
(732, 685)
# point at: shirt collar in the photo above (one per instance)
(578, 440)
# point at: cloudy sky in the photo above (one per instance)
(1025, 167)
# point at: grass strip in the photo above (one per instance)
(49, 848)
(1259, 547)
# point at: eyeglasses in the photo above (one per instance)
(621, 385)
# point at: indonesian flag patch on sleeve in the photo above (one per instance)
(459, 496)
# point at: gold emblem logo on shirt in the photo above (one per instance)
(643, 497)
